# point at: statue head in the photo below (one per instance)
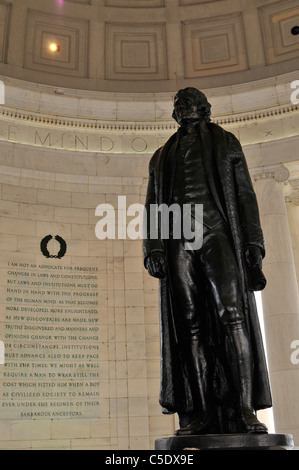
(191, 104)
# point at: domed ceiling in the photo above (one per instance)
(147, 45)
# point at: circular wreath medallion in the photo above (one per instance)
(44, 246)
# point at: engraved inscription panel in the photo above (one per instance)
(53, 338)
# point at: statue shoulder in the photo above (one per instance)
(219, 132)
(153, 160)
(161, 151)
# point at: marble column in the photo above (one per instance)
(279, 299)
(292, 204)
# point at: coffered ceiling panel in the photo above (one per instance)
(136, 51)
(214, 46)
(5, 12)
(147, 45)
(70, 35)
(197, 2)
(134, 3)
(277, 21)
(76, 1)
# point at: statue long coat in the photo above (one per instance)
(231, 188)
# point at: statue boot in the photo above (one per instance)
(239, 358)
(198, 376)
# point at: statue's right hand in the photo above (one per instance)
(156, 265)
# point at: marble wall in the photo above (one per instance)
(120, 374)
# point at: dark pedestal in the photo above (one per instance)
(227, 442)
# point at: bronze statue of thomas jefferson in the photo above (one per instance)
(213, 368)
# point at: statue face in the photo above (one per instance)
(185, 107)
(188, 105)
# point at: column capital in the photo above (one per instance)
(293, 192)
(279, 172)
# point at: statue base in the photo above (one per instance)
(227, 442)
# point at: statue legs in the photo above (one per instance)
(198, 372)
(239, 359)
(190, 320)
(211, 271)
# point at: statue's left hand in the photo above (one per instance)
(253, 256)
(156, 265)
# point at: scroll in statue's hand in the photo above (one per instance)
(156, 265)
